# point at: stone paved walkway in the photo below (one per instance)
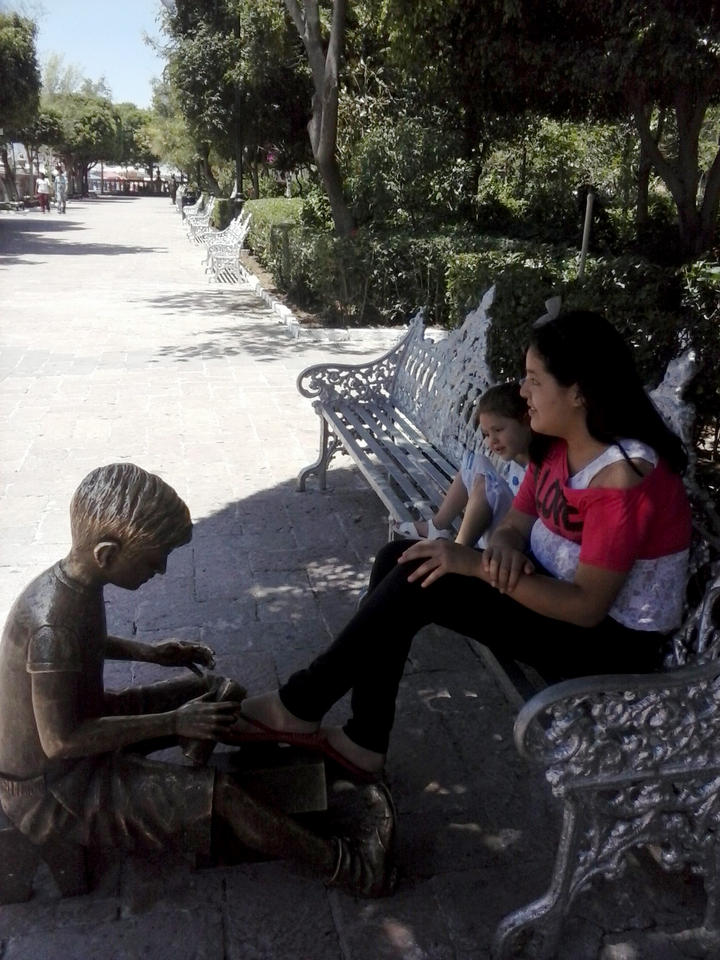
(114, 346)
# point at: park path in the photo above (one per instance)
(114, 346)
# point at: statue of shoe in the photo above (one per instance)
(366, 862)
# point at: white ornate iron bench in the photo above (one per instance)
(635, 760)
(191, 210)
(223, 249)
(199, 220)
(405, 418)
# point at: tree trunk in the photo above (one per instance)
(322, 127)
(681, 174)
(239, 167)
(255, 176)
(10, 184)
(205, 170)
(642, 214)
(710, 205)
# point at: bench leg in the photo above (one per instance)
(328, 448)
(711, 878)
(542, 919)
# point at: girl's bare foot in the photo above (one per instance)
(367, 760)
(269, 710)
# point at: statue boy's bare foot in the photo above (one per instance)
(269, 710)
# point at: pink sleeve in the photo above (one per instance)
(525, 497)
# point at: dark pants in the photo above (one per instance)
(368, 656)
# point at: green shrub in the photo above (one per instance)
(401, 174)
(375, 277)
(270, 186)
(522, 285)
(223, 212)
(370, 277)
(264, 237)
(700, 293)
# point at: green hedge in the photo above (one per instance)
(644, 300)
(375, 277)
(265, 237)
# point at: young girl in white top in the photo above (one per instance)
(484, 492)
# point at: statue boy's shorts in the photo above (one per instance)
(120, 800)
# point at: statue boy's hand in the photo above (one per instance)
(203, 719)
(182, 653)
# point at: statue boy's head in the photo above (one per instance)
(129, 520)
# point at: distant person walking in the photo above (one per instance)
(61, 188)
(43, 191)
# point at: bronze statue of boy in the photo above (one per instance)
(71, 753)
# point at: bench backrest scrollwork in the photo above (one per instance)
(438, 383)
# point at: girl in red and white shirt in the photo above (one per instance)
(586, 574)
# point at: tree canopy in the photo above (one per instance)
(234, 67)
(19, 73)
(620, 60)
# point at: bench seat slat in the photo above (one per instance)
(425, 458)
(376, 477)
(427, 471)
(354, 430)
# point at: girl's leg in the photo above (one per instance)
(369, 655)
(452, 506)
(385, 561)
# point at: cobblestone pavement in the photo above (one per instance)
(114, 346)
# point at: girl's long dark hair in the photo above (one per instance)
(584, 348)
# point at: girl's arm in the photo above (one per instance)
(584, 602)
(505, 558)
(453, 504)
(504, 555)
(477, 516)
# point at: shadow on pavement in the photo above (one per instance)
(29, 238)
(251, 338)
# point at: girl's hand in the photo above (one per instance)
(504, 565)
(441, 557)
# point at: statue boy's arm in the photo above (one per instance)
(63, 735)
(167, 653)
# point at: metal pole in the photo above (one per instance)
(586, 233)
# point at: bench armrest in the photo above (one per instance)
(624, 728)
(357, 380)
(612, 731)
